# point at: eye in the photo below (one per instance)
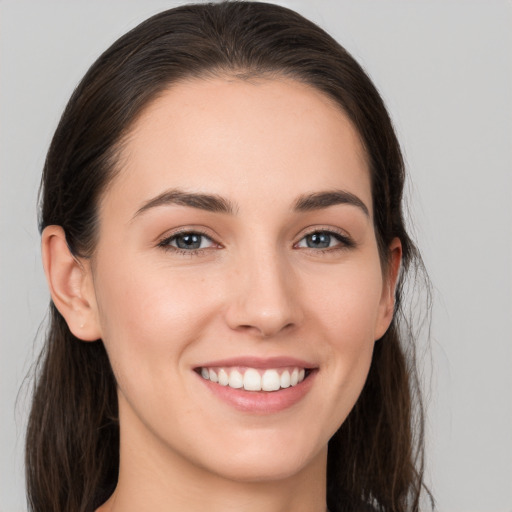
(187, 241)
(324, 240)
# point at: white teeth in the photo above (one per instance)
(236, 379)
(223, 377)
(285, 379)
(252, 379)
(270, 381)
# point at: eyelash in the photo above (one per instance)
(345, 242)
(165, 243)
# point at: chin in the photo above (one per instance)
(266, 456)
(266, 468)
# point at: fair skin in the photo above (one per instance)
(259, 275)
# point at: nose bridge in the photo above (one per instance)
(264, 298)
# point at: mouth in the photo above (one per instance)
(246, 378)
(258, 385)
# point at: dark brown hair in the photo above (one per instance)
(72, 447)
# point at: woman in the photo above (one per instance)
(224, 244)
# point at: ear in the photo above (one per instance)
(387, 300)
(71, 285)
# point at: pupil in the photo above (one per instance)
(189, 241)
(319, 240)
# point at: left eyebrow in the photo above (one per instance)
(319, 200)
(208, 202)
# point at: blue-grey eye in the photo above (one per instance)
(189, 241)
(320, 240)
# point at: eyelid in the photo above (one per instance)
(321, 228)
(200, 230)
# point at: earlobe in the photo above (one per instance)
(387, 302)
(70, 283)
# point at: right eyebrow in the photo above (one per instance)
(320, 200)
(208, 202)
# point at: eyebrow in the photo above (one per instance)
(208, 202)
(218, 204)
(319, 200)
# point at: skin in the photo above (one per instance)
(254, 289)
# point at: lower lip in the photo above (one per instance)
(261, 402)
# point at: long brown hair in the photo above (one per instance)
(72, 446)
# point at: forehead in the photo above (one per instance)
(228, 136)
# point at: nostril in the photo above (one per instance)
(264, 304)
(265, 329)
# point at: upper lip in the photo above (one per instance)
(259, 362)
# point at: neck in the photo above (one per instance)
(152, 477)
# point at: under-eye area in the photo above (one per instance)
(255, 379)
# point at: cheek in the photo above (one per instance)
(347, 311)
(148, 317)
(348, 303)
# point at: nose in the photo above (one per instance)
(264, 299)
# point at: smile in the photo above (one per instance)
(258, 385)
(253, 379)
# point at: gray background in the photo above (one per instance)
(445, 71)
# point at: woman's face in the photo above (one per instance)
(236, 248)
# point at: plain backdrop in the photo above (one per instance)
(445, 70)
